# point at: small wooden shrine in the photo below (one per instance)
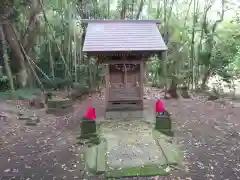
(124, 82)
(123, 46)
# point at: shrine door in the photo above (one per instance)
(124, 82)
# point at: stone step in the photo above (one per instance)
(125, 115)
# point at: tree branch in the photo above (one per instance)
(140, 9)
(221, 17)
(29, 37)
(123, 9)
(204, 25)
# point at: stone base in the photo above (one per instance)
(125, 115)
(164, 124)
(88, 127)
(59, 111)
(59, 103)
(125, 105)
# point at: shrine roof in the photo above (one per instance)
(123, 35)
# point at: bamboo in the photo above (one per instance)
(75, 54)
(108, 9)
(51, 60)
(69, 53)
(64, 62)
(31, 67)
(81, 53)
(164, 55)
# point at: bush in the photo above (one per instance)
(4, 84)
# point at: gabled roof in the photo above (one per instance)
(123, 35)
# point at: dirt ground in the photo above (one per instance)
(207, 133)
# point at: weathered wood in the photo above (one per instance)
(157, 21)
(126, 85)
(125, 105)
(104, 55)
(141, 79)
(125, 76)
(124, 93)
(124, 80)
(110, 62)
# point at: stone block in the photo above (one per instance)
(88, 128)
(163, 124)
(125, 115)
(59, 103)
(60, 111)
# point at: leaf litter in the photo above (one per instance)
(208, 133)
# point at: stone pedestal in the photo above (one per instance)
(61, 103)
(164, 124)
(88, 128)
(59, 106)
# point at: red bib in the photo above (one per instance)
(159, 106)
(90, 114)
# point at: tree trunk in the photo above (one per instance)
(172, 91)
(192, 52)
(10, 35)
(205, 79)
(123, 9)
(108, 9)
(140, 9)
(28, 40)
(30, 35)
(6, 61)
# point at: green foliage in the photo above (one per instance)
(4, 83)
(56, 83)
(57, 51)
(81, 87)
(27, 93)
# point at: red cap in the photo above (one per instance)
(159, 106)
(90, 114)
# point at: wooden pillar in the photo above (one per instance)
(141, 78)
(145, 76)
(125, 70)
(107, 82)
(125, 75)
(164, 57)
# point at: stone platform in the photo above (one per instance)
(147, 114)
(130, 144)
(131, 148)
(124, 115)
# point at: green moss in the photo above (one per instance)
(171, 151)
(59, 103)
(94, 140)
(91, 159)
(101, 157)
(88, 136)
(146, 170)
(95, 158)
(169, 133)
